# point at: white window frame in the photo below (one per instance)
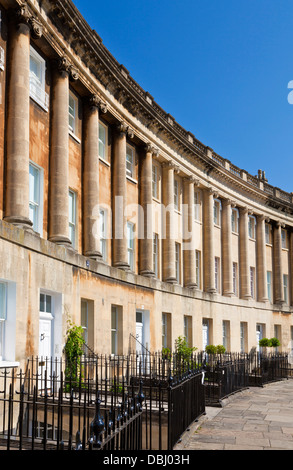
(226, 334)
(114, 330)
(176, 195)
(8, 325)
(2, 59)
(197, 205)
(243, 329)
(84, 318)
(284, 239)
(156, 255)
(131, 245)
(38, 83)
(3, 317)
(198, 268)
(130, 161)
(72, 217)
(177, 262)
(235, 278)
(269, 286)
(235, 220)
(217, 212)
(251, 227)
(187, 329)
(155, 182)
(37, 206)
(252, 281)
(217, 273)
(164, 330)
(103, 144)
(285, 288)
(268, 234)
(72, 113)
(103, 232)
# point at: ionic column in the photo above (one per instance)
(278, 272)
(169, 274)
(91, 179)
(18, 117)
(120, 257)
(59, 158)
(245, 292)
(146, 242)
(188, 234)
(227, 248)
(208, 240)
(261, 259)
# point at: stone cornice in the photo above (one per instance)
(88, 47)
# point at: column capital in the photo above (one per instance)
(149, 148)
(243, 210)
(64, 65)
(229, 202)
(262, 218)
(169, 165)
(212, 191)
(96, 102)
(123, 128)
(24, 16)
(191, 179)
(280, 224)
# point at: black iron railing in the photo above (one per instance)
(125, 402)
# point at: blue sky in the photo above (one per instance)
(221, 68)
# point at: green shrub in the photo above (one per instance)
(275, 342)
(73, 350)
(182, 350)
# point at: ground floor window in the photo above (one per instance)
(3, 312)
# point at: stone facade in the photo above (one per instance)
(88, 158)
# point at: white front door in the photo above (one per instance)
(45, 338)
(46, 326)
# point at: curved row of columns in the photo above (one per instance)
(17, 189)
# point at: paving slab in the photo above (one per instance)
(258, 418)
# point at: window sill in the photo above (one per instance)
(74, 137)
(102, 160)
(131, 180)
(39, 103)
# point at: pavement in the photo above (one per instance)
(258, 418)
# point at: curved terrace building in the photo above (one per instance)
(117, 218)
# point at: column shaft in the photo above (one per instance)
(91, 182)
(245, 292)
(120, 257)
(17, 172)
(146, 242)
(168, 224)
(59, 161)
(188, 234)
(208, 241)
(261, 259)
(278, 273)
(227, 249)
